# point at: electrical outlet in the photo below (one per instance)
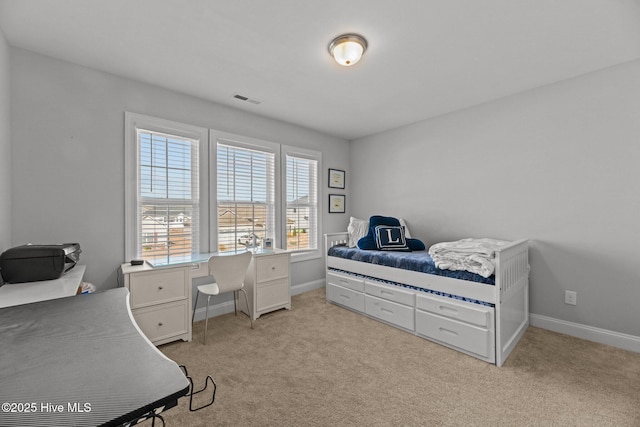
(570, 297)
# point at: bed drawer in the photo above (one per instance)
(391, 293)
(347, 297)
(447, 307)
(397, 314)
(461, 335)
(348, 282)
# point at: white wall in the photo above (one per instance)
(68, 155)
(5, 148)
(558, 165)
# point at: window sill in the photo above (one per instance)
(305, 256)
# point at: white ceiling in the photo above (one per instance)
(425, 57)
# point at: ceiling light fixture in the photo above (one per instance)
(347, 49)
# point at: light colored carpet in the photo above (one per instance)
(322, 365)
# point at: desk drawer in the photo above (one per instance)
(271, 295)
(390, 292)
(461, 335)
(347, 297)
(397, 314)
(466, 312)
(163, 321)
(272, 267)
(159, 286)
(348, 282)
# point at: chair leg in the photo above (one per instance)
(193, 316)
(246, 300)
(206, 321)
(235, 307)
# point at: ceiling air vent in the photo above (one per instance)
(246, 98)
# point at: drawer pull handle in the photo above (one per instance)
(160, 287)
(448, 331)
(345, 296)
(273, 268)
(159, 323)
(448, 309)
(386, 292)
(385, 310)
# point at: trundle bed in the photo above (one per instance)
(482, 318)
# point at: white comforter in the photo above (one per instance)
(474, 255)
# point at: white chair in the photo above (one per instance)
(228, 271)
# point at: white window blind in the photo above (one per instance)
(168, 196)
(245, 196)
(302, 203)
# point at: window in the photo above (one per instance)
(167, 194)
(196, 190)
(250, 176)
(301, 189)
(245, 196)
(164, 208)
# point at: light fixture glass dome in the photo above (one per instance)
(347, 49)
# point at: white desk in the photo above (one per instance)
(267, 282)
(199, 262)
(161, 291)
(24, 293)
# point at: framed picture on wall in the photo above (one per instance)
(336, 203)
(336, 178)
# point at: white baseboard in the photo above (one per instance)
(214, 309)
(304, 287)
(227, 307)
(602, 336)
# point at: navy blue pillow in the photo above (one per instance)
(368, 242)
(416, 245)
(391, 238)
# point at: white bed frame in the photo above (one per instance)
(488, 333)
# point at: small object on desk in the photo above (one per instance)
(267, 243)
(86, 288)
(137, 261)
(36, 263)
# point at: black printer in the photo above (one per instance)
(32, 263)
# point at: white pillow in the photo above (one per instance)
(357, 229)
(406, 229)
